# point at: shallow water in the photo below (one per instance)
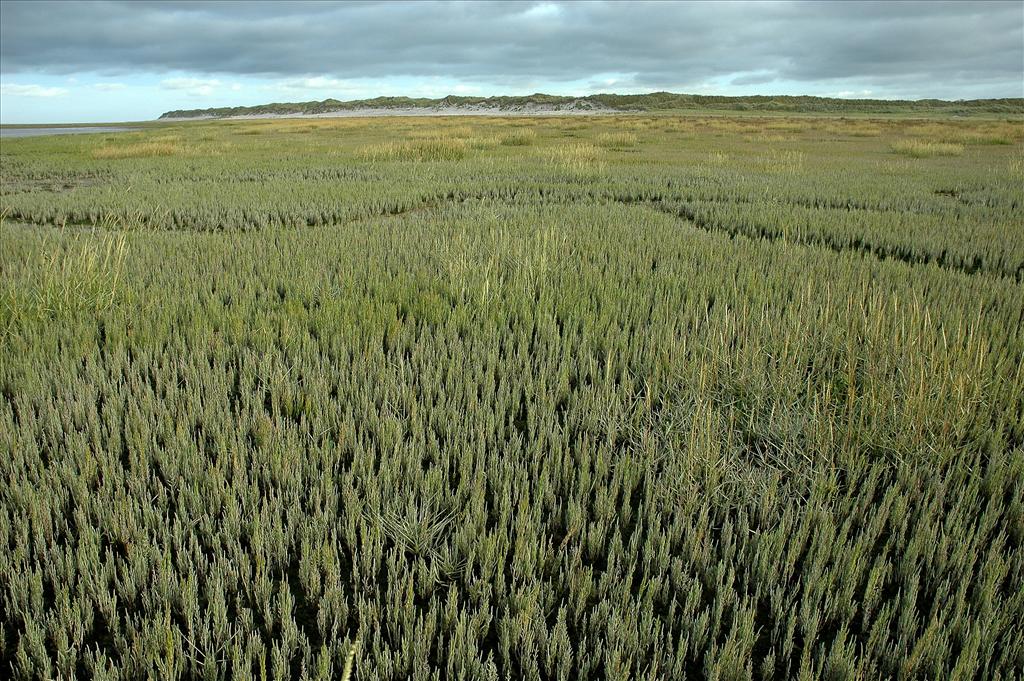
(37, 132)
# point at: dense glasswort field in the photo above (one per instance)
(636, 397)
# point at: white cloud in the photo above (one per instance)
(846, 94)
(110, 87)
(545, 10)
(187, 83)
(315, 83)
(19, 90)
(193, 86)
(322, 83)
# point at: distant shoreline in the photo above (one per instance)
(23, 131)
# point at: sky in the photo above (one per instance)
(120, 61)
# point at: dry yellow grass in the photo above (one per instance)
(459, 131)
(767, 138)
(683, 125)
(519, 138)
(782, 161)
(1016, 166)
(442, 129)
(483, 142)
(617, 140)
(435, 149)
(787, 126)
(851, 129)
(978, 138)
(924, 149)
(575, 155)
(138, 150)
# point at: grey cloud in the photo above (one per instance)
(755, 79)
(660, 45)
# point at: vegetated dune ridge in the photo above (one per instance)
(444, 110)
(541, 104)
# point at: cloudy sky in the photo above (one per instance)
(115, 61)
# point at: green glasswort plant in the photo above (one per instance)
(638, 396)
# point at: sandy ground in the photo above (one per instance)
(14, 133)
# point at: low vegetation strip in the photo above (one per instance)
(396, 398)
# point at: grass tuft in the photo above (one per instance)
(432, 149)
(138, 150)
(577, 157)
(519, 138)
(923, 149)
(617, 140)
